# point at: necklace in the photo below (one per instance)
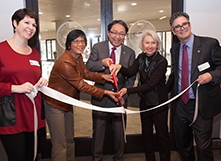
(148, 62)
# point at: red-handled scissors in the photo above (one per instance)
(115, 84)
(119, 102)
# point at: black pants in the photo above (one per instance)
(157, 117)
(20, 147)
(100, 122)
(201, 130)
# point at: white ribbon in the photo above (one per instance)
(31, 96)
(69, 100)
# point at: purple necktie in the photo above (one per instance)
(113, 55)
(185, 75)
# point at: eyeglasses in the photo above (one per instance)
(114, 33)
(79, 41)
(179, 27)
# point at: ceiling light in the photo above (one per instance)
(161, 18)
(161, 11)
(121, 8)
(133, 4)
(98, 19)
(40, 13)
(91, 35)
(67, 16)
(87, 4)
(92, 29)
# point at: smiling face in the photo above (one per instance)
(77, 46)
(149, 45)
(26, 28)
(116, 34)
(182, 29)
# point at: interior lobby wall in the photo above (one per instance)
(204, 17)
(7, 8)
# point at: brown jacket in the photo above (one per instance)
(67, 77)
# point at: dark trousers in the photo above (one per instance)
(158, 118)
(20, 147)
(100, 120)
(201, 130)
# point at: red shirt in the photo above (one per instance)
(17, 69)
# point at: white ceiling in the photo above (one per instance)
(87, 12)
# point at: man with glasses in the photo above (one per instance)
(194, 58)
(102, 53)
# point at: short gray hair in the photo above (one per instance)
(154, 35)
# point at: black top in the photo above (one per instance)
(152, 80)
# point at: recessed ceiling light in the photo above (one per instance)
(133, 4)
(98, 19)
(40, 13)
(87, 4)
(161, 18)
(92, 28)
(161, 11)
(91, 35)
(67, 16)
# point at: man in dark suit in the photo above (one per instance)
(204, 65)
(99, 62)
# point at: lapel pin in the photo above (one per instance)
(124, 52)
(198, 51)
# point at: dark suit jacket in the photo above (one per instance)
(101, 51)
(205, 49)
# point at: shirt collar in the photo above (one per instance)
(111, 46)
(189, 43)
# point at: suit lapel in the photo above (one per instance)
(106, 50)
(176, 63)
(195, 55)
(122, 55)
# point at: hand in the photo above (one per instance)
(204, 78)
(122, 92)
(105, 62)
(108, 78)
(111, 95)
(122, 101)
(41, 82)
(24, 88)
(115, 68)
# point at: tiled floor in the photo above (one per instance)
(141, 157)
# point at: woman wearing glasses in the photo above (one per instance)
(152, 67)
(67, 77)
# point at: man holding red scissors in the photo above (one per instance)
(102, 54)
